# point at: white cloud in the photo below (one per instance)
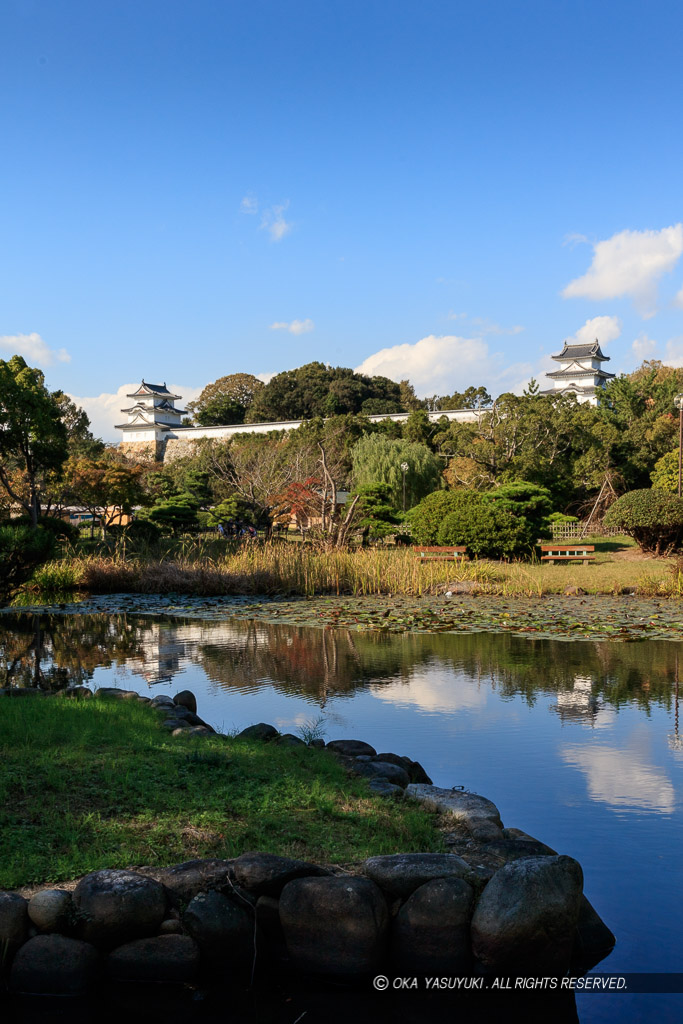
(273, 221)
(105, 410)
(630, 263)
(674, 351)
(604, 328)
(644, 347)
(249, 204)
(33, 349)
(622, 778)
(294, 327)
(446, 363)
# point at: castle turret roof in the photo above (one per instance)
(581, 352)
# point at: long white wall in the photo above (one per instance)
(195, 433)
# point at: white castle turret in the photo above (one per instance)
(580, 372)
(150, 419)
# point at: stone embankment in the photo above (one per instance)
(500, 903)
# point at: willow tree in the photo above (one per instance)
(379, 460)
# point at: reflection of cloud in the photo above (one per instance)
(436, 691)
(622, 779)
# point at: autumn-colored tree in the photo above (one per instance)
(107, 487)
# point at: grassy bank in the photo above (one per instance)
(92, 784)
(282, 568)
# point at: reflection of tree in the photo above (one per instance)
(52, 650)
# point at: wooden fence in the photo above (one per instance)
(576, 531)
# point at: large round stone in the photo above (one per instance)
(13, 921)
(383, 771)
(431, 932)
(170, 958)
(113, 907)
(594, 941)
(526, 917)
(351, 748)
(335, 926)
(399, 874)
(261, 731)
(55, 965)
(185, 880)
(186, 699)
(223, 928)
(50, 910)
(266, 874)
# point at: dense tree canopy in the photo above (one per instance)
(33, 437)
(226, 400)
(319, 390)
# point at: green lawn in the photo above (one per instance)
(92, 784)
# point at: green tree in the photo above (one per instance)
(81, 439)
(226, 400)
(665, 474)
(378, 460)
(33, 437)
(319, 390)
(376, 516)
(523, 499)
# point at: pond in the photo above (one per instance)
(577, 743)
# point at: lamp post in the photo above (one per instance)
(405, 467)
(678, 402)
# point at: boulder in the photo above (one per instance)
(594, 941)
(415, 770)
(290, 740)
(50, 910)
(186, 699)
(171, 926)
(222, 928)
(400, 874)
(175, 724)
(162, 701)
(383, 770)
(266, 874)
(262, 731)
(169, 958)
(513, 849)
(335, 927)
(195, 730)
(351, 748)
(383, 788)
(184, 881)
(526, 918)
(318, 744)
(116, 693)
(431, 932)
(75, 692)
(55, 965)
(14, 921)
(113, 907)
(478, 814)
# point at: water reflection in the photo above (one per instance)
(588, 680)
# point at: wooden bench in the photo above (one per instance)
(437, 554)
(567, 553)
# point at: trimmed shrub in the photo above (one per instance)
(653, 518)
(426, 518)
(524, 499)
(487, 528)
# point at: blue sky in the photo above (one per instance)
(443, 191)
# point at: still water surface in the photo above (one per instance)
(577, 743)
